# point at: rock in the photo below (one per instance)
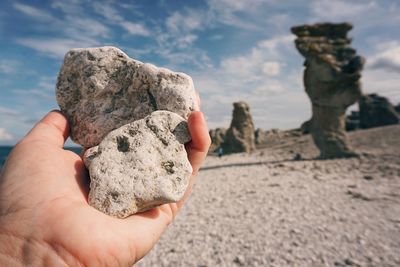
(353, 121)
(240, 135)
(101, 89)
(217, 138)
(261, 136)
(140, 165)
(306, 127)
(376, 111)
(332, 82)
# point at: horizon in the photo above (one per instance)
(233, 50)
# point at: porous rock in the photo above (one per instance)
(100, 89)
(140, 165)
(240, 135)
(332, 82)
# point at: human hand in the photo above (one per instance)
(45, 218)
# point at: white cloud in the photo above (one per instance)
(266, 58)
(113, 16)
(56, 47)
(33, 12)
(135, 28)
(328, 10)
(271, 68)
(382, 82)
(388, 58)
(9, 111)
(186, 22)
(236, 13)
(75, 28)
(5, 136)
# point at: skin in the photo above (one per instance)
(45, 219)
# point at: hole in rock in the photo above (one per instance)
(122, 143)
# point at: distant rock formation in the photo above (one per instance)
(260, 136)
(353, 121)
(306, 127)
(376, 111)
(268, 138)
(332, 82)
(240, 135)
(217, 138)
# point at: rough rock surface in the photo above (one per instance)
(217, 138)
(101, 89)
(332, 82)
(240, 135)
(140, 165)
(376, 111)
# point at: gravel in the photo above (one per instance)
(266, 209)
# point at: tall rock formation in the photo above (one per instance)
(332, 82)
(376, 111)
(240, 135)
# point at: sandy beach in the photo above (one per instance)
(266, 209)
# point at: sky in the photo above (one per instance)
(233, 49)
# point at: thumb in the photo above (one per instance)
(53, 129)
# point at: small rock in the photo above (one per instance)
(368, 177)
(239, 260)
(297, 157)
(100, 89)
(140, 165)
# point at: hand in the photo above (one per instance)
(45, 218)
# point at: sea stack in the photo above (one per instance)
(332, 82)
(240, 135)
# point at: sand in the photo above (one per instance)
(266, 209)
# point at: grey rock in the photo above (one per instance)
(332, 82)
(140, 165)
(240, 135)
(375, 111)
(101, 89)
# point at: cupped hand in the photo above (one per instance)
(45, 219)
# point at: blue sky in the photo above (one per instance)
(234, 50)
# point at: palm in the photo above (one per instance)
(55, 194)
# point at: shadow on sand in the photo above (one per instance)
(257, 163)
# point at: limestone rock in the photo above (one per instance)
(140, 165)
(376, 111)
(101, 89)
(240, 135)
(217, 138)
(332, 82)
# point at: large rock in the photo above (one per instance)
(376, 111)
(101, 89)
(240, 135)
(140, 165)
(332, 82)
